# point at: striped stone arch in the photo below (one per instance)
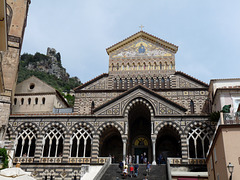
(58, 125)
(10, 130)
(174, 125)
(30, 125)
(106, 125)
(201, 124)
(138, 100)
(81, 124)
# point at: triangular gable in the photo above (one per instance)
(90, 84)
(187, 81)
(160, 104)
(33, 85)
(141, 34)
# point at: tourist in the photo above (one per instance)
(130, 159)
(148, 168)
(127, 159)
(121, 166)
(133, 159)
(141, 159)
(125, 171)
(131, 171)
(145, 178)
(136, 168)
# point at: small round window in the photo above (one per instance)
(32, 86)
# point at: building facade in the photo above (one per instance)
(141, 106)
(225, 144)
(13, 18)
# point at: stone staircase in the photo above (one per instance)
(156, 173)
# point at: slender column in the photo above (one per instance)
(95, 148)
(154, 149)
(124, 149)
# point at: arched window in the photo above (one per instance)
(166, 66)
(125, 83)
(171, 65)
(136, 81)
(168, 82)
(112, 67)
(43, 100)
(92, 106)
(53, 143)
(127, 66)
(130, 83)
(149, 66)
(152, 83)
(29, 100)
(117, 66)
(115, 83)
(147, 82)
(120, 83)
(162, 83)
(36, 100)
(141, 81)
(26, 143)
(155, 66)
(192, 107)
(81, 142)
(160, 66)
(122, 67)
(198, 143)
(157, 83)
(139, 66)
(15, 101)
(22, 101)
(144, 66)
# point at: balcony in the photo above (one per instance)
(229, 118)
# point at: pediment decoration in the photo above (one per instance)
(142, 43)
(141, 48)
(114, 110)
(164, 109)
(160, 104)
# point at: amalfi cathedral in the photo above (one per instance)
(143, 106)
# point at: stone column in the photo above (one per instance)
(66, 148)
(184, 148)
(154, 137)
(95, 148)
(124, 139)
(39, 148)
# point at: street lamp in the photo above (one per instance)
(230, 169)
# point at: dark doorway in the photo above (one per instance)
(139, 133)
(168, 143)
(111, 144)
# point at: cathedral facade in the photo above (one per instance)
(141, 106)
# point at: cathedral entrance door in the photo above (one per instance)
(139, 131)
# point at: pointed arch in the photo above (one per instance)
(120, 83)
(192, 107)
(147, 82)
(115, 83)
(130, 83)
(162, 83)
(80, 142)
(168, 83)
(152, 83)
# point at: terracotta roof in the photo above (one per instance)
(192, 78)
(144, 88)
(91, 81)
(142, 33)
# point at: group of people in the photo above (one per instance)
(133, 170)
(133, 159)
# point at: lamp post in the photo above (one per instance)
(230, 169)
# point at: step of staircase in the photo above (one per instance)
(158, 172)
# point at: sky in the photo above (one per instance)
(206, 32)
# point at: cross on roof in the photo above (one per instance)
(141, 27)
